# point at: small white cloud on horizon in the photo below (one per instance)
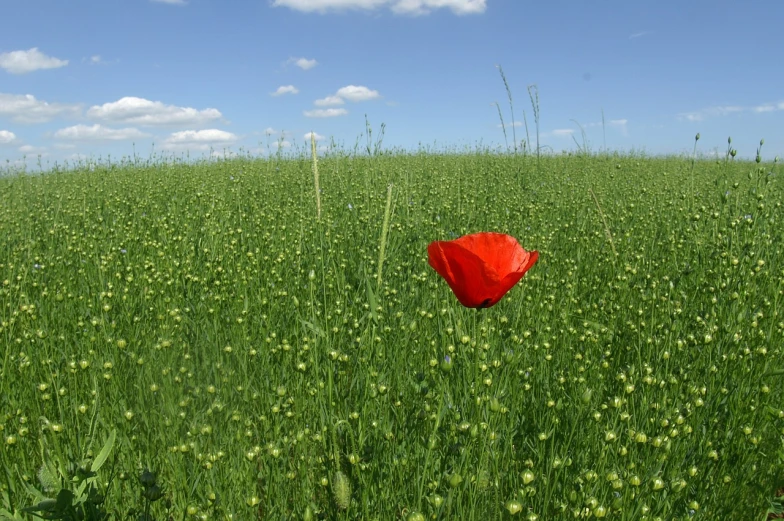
(98, 133)
(270, 131)
(143, 112)
(325, 113)
(30, 149)
(7, 137)
(639, 34)
(199, 139)
(406, 7)
(561, 132)
(22, 62)
(329, 101)
(25, 108)
(769, 107)
(621, 124)
(316, 136)
(724, 110)
(285, 89)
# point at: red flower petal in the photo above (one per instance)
(480, 268)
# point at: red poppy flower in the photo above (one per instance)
(481, 267)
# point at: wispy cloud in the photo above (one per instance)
(22, 62)
(329, 101)
(98, 133)
(325, 113)
(406, 7)
(285, 89)
(639, 34)
(724, 110)
(199, 139)
(561, 132)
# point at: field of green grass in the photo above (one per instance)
(200, 321)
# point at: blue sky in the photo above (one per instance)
(92, 78)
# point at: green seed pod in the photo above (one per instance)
(341, 490)
(528, 477)
(514, 506)
(455, 480)
(733, 152)
(415, 516)
(446, 364)
(308, 514)
(697, 137)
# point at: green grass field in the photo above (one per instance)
(250, 356)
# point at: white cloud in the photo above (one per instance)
(200, 139)
(724, 110)
(96, 59)
(409, 7)
(30, 150)
(27, 109)
(621, 124)
(316, 136)
(140, 111)
(98, 133)
(639, 34)
(22, 62)
(329, 101)
(357, 93)
(280, 144)
(285, 89)
(304, 63)
(270, 131)
(562, 132)
(325, 113)
(769, 107)
(7, 137)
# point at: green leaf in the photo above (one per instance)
(774, 372)
(6, 515)
(312, 327)
(64, 500)
(104, 454)
(47, 505)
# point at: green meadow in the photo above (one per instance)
(211, 340)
